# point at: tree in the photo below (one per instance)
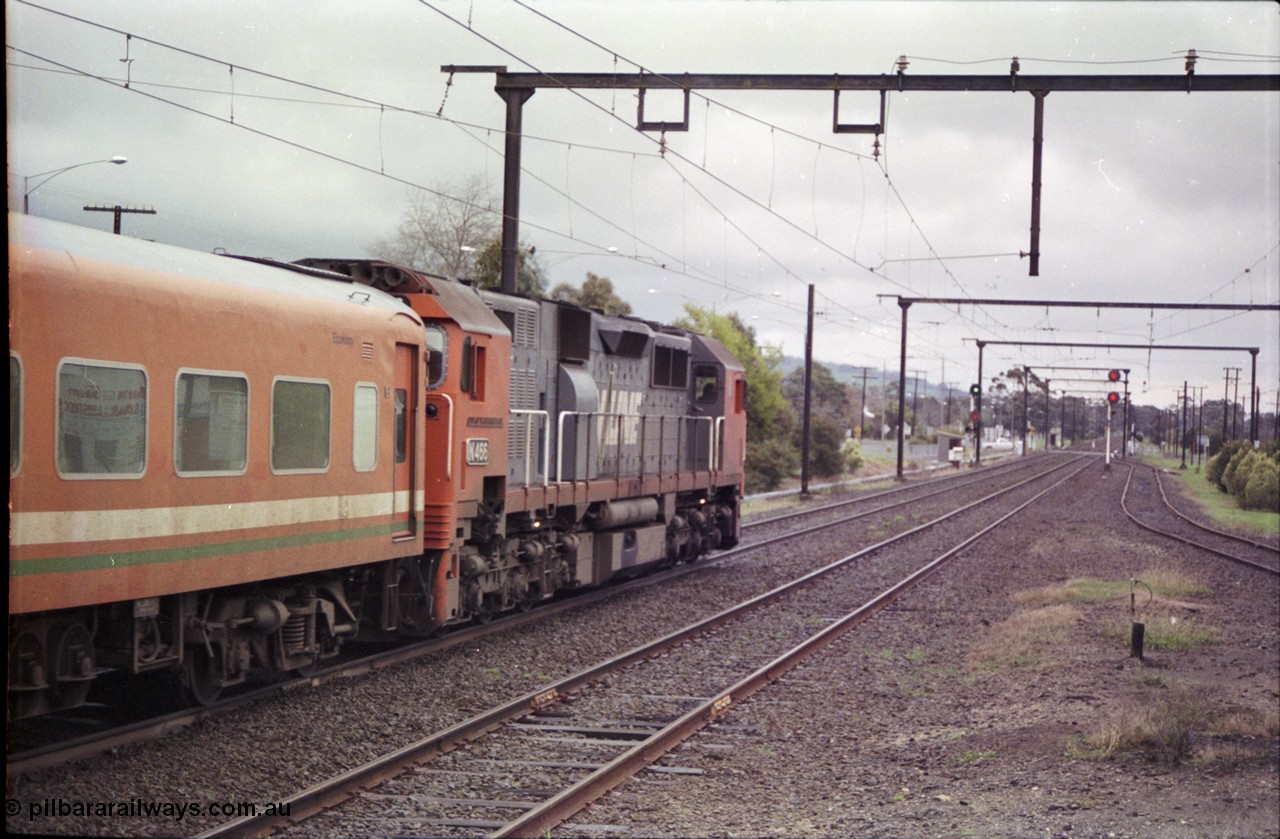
(827, 396)
(596, 293)
(443, 235)
(531, 280)
(771, 455)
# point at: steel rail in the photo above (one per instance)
(90, 745)
(1233, 536)
(555, 810)
(319, 797)
(1183, 539)
(957, 482)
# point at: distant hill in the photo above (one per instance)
(852, 374)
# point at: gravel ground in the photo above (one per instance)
(982, 705)
(917, 724)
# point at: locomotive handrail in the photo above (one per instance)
(717, 444)
(712, 438)
(528, 414)
(448, 439)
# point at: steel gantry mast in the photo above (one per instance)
(516, 88)
(905, 303)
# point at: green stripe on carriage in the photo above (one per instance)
(100, 562)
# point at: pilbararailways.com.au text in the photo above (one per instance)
(140, 808)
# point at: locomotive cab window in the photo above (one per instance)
(300, 410)
(211, 424)
(15, 414)
(102, 420)
(706, 384)
(437, 354)
(364, 428)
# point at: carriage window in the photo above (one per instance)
(211, 424)
(102, 420)
(364, 429)
(15, 413)
(706, 384)
(299, 425)
(437, 353)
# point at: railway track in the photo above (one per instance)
(1146, 502)
(544, 755)
(897, 496)
(43, 743)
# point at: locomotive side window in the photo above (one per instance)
(670, 367)
(211, 424)
(364, 428)
(478, 373)
(102, 420)
(15, 414)
(706, 383)
(402, 425)
(300, 425)
(464, 382)
(437, 355)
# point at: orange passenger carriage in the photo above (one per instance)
(201, 448)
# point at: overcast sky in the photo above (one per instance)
(1147, 196)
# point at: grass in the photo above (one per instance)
(1028, 638)
(1038, 636)
(1180, 727)
(971, 757)
(1167, 633)
(1166, 581)
(1219, 506)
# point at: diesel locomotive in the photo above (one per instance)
(220, 465)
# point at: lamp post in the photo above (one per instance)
(53, 173)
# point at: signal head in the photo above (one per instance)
(975, 416)
(975, 390)
(1113, 397)
(1113, 376)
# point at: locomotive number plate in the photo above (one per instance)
(477, 451)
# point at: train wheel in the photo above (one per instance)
(27, 685)
(199, 681)
(70, 664)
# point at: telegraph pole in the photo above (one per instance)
(1226, 392)
(808, 383)
(1184, 425)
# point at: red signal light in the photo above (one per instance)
(1113, 376)
(1113, 397)
(975, 416)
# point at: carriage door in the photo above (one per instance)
(405, 405)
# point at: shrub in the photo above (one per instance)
(769, 462)
(853, 459)
(1228, 484)
(1240, 478)
(1262, 491)
(1218, 464)
(825, 440)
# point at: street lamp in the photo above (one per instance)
(53, 173)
